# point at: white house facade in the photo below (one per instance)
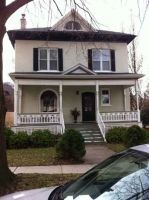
(71, 66)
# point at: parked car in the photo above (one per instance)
(123, 176)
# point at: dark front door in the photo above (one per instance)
(88, 106)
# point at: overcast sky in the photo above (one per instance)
(113, 15)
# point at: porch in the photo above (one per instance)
(55, 121)
(47, 104)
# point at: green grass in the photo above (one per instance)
(35, 157)
(32, 181)
(116, 147)
(31, 157)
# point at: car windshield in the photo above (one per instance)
(120, 177)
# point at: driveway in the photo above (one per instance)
(95, 153)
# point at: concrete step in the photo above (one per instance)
(90, 131)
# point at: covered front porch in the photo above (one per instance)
(102, 101)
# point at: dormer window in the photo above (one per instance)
(72, 25)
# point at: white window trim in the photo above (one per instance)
(101, 63)
(106, 104)
(48, 59)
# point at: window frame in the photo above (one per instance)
(48, 59)
(101, 60)
(109, 94)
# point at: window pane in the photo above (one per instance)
(43, 64)
(96, 65)
(53, 64)
(106, 66)
(96, 54)
(106, 60)
(43, 54)
(53, 54)
(105, 97)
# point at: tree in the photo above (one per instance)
(135, 65)
(6, 176)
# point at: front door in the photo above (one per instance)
(88, 106)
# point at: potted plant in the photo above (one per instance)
(75, 113)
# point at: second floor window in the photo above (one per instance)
(48, 59)
(101, 60)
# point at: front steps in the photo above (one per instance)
(89, 131)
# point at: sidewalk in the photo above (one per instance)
(95, 154)
(53, 169)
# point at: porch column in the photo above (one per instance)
(20, 98)
(15, 102)
(60, 98)
(125, 103)
(97, 100)
(137, 100)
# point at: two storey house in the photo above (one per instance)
(68, 66)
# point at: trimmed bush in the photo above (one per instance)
(42, 138)
(135, 136)
(8, 133)
(19, 140)
(145, 117)
(71, 145)
(116, 135)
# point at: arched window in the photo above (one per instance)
(72, 25)
(48, 101)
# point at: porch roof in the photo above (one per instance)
(60, 76)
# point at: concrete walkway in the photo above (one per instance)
(95, 153)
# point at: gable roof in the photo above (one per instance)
(73, 15)
(79, 69)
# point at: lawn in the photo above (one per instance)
(35, 157)
(116, 147)
(32, 157)
(32, 181)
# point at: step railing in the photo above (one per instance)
(62, 123)
(101, 126)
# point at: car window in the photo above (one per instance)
(119, 178)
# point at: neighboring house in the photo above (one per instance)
(71, 65)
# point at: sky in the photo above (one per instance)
(114, 15)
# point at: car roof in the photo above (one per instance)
(143, 148)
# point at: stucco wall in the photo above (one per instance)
(31, 96)
(73, 53)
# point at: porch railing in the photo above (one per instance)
(41, 118)
(120, 116)
(101, 125)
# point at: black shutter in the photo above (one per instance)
(35, 59)
(113, 60)
(60, 59)
(90, 59)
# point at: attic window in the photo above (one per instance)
(72, 25)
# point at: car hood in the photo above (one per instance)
(35, 194)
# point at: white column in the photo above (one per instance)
(20, 98)
(15, 102)
(137, 100)
(60, 98)
(125, 102)
(97, 99)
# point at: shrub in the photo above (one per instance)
(135, 136)
(8, 133)
(71, 145)
(42, 138)
(145, 117)
(19, 140)
(116, 135)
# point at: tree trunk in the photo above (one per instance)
(6, 175)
